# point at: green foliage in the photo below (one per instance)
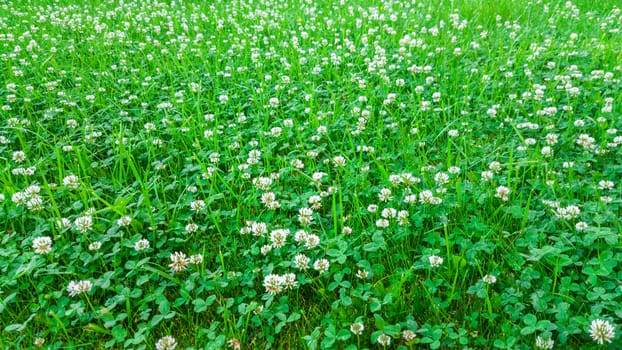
(310, 174)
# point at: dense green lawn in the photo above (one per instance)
(310, 174)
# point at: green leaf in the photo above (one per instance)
(530, 319)
(119, 333)
(19, 327)
(527, 330)
(210, 300)
(327, 343)
(343, 335)
(537, 254)
(294, 316)
(163, 304)
(371, 247)
(199, 305)
(379, 321)
(387, 299)
(334, 252)
(156, 319)
(499, 344)
(374, 305)
(279, 326)
(312, 339)
(14, 327)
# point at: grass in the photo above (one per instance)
(310, 175)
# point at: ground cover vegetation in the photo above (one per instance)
(353, 174)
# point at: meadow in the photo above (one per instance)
(289, 174)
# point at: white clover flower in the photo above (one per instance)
(141, 244)
(315, 201)
(259, 228)
(253, 157)
(408, 335)
(197, 205)
(312, 241)
(301, 262)
(502, 192)
(269, 200)
(166, 343)
(410, 199)
(273, 284)
(71, 181)
(191, 228)
(124, 221)
(304, 216)
(339, 161)
(265, 249)
(395, 179)
(489, 279)
(179, 261)
(76, 288)
(317, 177)
(384, 340)
(427, 197)
(234, 344)
(388, 213)
(384, 195)
(42, 245)
(276, 131)
(572, 211)
(602, 331)
(278, 237)
(487, 175)
(195, 259)
(149, 127)
(19, 198)
(362, 274)
(544, 343)
(95, 246)
(546, 151)
(19, 156)
(441, 178)
(357, 328)
(289, 281)
(63, 223)
(382, 223)
(35, 203)
(262, 183)
(32, 191)
(606, 185)
(83, 223)
(551, 139)
(495, 166)
(435, 261)
(321, 265)
(586, 141)
(300, 236)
